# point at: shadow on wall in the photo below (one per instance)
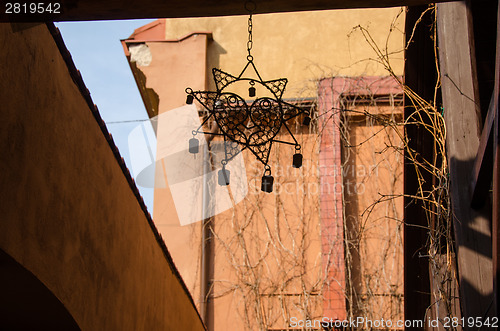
(214, 51)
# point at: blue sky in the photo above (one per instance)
(98, 54)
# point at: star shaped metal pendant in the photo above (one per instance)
(253, 126)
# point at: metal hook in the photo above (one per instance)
(250, 6)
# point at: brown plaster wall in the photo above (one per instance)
(68, 213)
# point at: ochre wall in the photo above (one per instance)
(68, 213)
(301, 46)
(375, 231)
(174, 66)
(268, 247)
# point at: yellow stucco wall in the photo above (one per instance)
(302, 46)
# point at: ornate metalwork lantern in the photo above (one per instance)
(252, 125)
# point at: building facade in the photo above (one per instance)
(323, 246)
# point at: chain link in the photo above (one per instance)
(250, 37)
(250, 6)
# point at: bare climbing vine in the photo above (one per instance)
(272, 264)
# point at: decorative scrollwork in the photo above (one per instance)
(251, 126)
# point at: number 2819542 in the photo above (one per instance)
(32, 8)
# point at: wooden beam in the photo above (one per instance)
(86, 10)
(496, 174)
(482, 171)
(471, 227)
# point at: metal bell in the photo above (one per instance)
(251, 91)
(267, 183)
(189, 99)
(297, 160)
(306, 120)
(194, 146)
(223, 176)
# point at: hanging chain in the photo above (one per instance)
(250, 40)
(250, 6)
